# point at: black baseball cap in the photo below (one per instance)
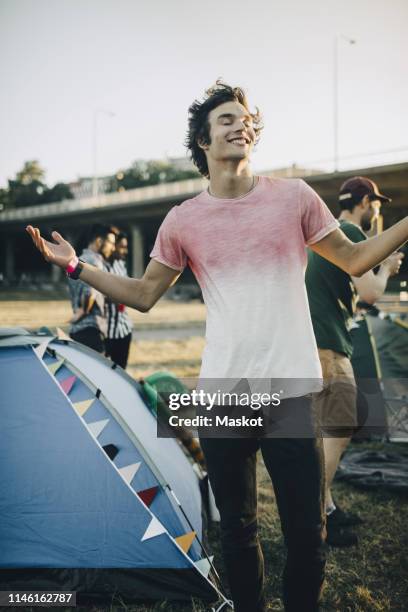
(354, 189)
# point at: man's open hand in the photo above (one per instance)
(59, 253)
(393, 263)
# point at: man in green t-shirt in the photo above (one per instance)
(332, 298)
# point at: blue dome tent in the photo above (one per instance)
(90, 499)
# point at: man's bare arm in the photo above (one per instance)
(370, 287)
(358, 258)
(141, 293)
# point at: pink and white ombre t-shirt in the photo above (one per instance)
(248, 255)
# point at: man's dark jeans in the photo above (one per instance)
(296, 468)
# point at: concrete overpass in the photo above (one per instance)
(140, 212)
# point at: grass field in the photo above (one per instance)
(370, 578)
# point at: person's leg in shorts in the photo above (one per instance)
(336, 411)
(336, 417)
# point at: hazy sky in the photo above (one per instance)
(146, 61)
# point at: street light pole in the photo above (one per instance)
(351, 41)
(96, 112)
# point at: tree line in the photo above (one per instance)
(28, 187)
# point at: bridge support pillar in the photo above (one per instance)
(137, 252)
(56, 274)
(10, 268)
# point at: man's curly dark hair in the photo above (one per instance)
(199, 126)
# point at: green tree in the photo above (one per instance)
(152, 172)
(21, 194)
(59, 192)
(31, 172)
(28, 188)
(4, 199)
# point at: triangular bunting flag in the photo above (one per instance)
(54, 367)
(204, 565)
(185, 541)
(82, 407)
(128, 472)
(111, 450)
(154, 529)
(41, 348)
(97, 427)
(148, 495)
(61, 335)
(67, 384)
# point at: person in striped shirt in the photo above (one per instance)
(119, 334)
(88, 323)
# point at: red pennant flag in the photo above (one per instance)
(67, 384)
(148, 495)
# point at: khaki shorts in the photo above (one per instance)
(335, 408)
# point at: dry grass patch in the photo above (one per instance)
(57, 313)
(180, 357)
(170, 313)
(30, 314)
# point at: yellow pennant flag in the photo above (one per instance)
(82, 407)
(54, 367)
(185, 541)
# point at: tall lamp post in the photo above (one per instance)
(96, 113)
(351, 41)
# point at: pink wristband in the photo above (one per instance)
(72, 265)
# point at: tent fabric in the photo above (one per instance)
(101, 583)
(123, 394)
(375, 470)
(391, 339)
(380, 363)
(392, 344)
(371, 411)
(64, 504)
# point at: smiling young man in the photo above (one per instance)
(244, 238)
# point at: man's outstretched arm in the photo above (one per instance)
(140, 294)
(357, 258)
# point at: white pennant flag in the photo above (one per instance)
(154, 529)
(128, 472)
(204, 565)
(41, 348)
(97, 427)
